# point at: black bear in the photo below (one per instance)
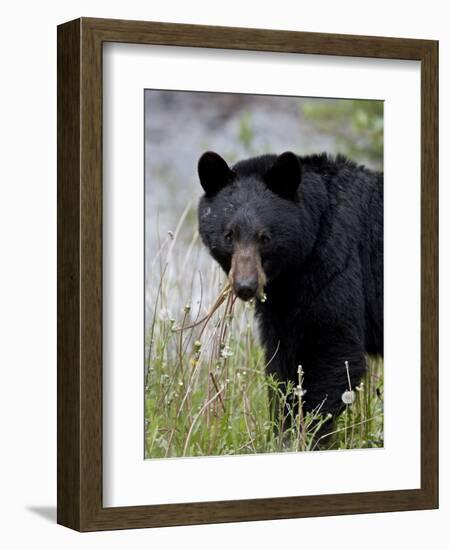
(306, 234)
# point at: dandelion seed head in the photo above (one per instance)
(348, 397)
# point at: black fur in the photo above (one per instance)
(322, 253)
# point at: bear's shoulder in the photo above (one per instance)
(330, 165)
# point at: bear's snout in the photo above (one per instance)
(246, 289)
(247, 276)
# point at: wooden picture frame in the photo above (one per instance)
(80, 504)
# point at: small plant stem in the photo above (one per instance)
(200, 412)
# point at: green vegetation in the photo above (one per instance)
(246, 134)
(356, 124)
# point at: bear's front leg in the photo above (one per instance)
(329, 372)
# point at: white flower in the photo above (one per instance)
(299, 392)
(226, 352)
(348, 397)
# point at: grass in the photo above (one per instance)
(206, 392)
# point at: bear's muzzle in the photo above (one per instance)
(247, 276)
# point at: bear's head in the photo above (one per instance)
(249, 217)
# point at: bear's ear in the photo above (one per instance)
(284, 177)
(214, 173)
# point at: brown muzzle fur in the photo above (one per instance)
(247, 276)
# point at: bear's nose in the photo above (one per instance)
(246, 288)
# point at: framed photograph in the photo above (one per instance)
(247, 274)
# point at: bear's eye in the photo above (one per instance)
(264, 239)
(229, 236)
